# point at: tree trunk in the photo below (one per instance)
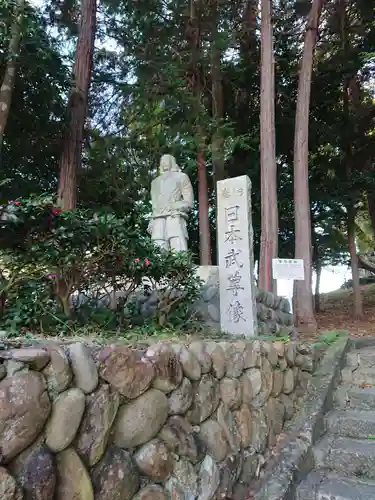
(70, 159)
(269, 212)
(317, 286)
(203, 205)
(204, 222)
(358, 306)
(371, 208)
(217, 100)
(304, 312)
(7, 87)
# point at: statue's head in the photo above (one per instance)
(168, 163)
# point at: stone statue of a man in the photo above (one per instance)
(172, 198)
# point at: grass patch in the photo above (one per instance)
(329, 338)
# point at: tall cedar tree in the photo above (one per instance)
(268, 174)
(7, 86)
(194, 36)
(303, 299)
(70, 159)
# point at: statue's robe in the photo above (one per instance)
(171, 198)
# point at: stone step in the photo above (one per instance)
(364, 357)
(352, 423)
(364, 375)
(322, 486)
(348, 456)
(362, 399)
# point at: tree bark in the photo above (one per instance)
(70, 159)
(7, 86)
(358, 306)
(304, 311)
(194, 36)
(371, 208)
(217, 103)
(269, 212)
(317, 286)
(204, 222)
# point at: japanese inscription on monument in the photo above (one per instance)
(235, 242)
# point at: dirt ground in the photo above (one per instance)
(337, 312)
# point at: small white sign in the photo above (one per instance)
(288, 269)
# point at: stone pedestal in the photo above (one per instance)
(208, 274)
(236, 261)
(209, 304)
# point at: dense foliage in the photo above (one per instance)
(79, 267)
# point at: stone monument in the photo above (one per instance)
(172, 198)
(238, 314)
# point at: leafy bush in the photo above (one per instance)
(52, 259)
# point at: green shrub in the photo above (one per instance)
(49, 256)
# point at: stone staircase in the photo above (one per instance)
(344, 459)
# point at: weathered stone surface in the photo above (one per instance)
(304, 348)
(168, 370)
(141, 419)
(305, 363)
(234, 359)
(189, 362)
(274, 412)
(259, 432)
(230, 392)
(290, 353)
(242, 419)
(267, 378)
(154, 460)
(289, 381)
(218, 359)
(182, 485)
(278, 382)
(36, 358)
(126, 369)
(151, 492)
(269, 350)
(213, 436)
(57, 372)
(24, 409)
(205, 399)
(73, 479)
(35, 471)
(62, 426)
(229, 471)
(214, 312)
(209, 479)
(83, 366)
(283, 365)
(181, 439)
(249, 468)
(251, 384)
(15, 368)
(115, 477)
(180, 400)
(288, 403)
(280, 348)
(101, 410)
(198, 348)
(8, 487)
(303, 382)
(228, 423)
(251, 355)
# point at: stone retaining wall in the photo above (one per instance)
(273, 312)
(167, 422)
(274, 316)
